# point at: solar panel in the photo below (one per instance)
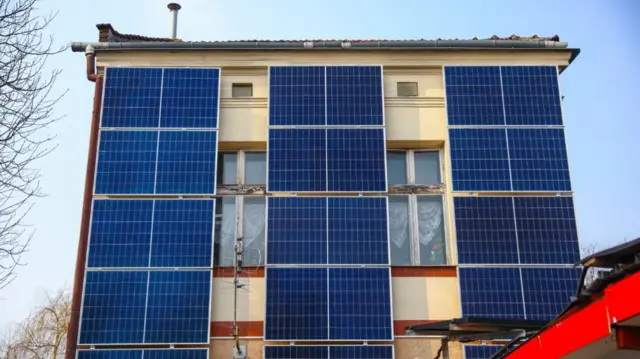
(349, 289)
(190, 97)
(547, 230)
(479, 160)
(187, 162)
(548, 291)
(113, 307)
(474, 95)
(480, 351)
(296, 304)
(297, 95)
(120, 233)
(146, 354)
(538, 160)
(491, 293)
(131, 97)
(297, 230)
(531, 95)
(358, 230)
(354, 95)
(126, 162)
(485, 230)
(296, 352)
(356, 160)
(361, 352)
(109, 354)
(182, 233)
(178, 307)
(297, 160)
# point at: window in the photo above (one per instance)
(407, 89)
(240, 215)
(241, 90)
(416, 221)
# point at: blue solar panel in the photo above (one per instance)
(296, 352)
(113, 307)
(539, 160)
(297, 95)
(187, 162)
(297, 230)
(126, 162)
(296, 306)
(531, 95)
(358, 230)
(479, 160)
(146, 354)
(491, 293)
(131, 97)
(109, 354)
(547, 230)
(480, 351)
(120, 233)
(356, 160)
(182, 233)
(474, 95)
(361, 352)
(178, 307)
(297, 160)
(485, 230)
(354, 95)
(190, 97)
(548, 291)
(360, 304)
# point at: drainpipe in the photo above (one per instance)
(78, 282)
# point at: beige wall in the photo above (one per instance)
(404, 348)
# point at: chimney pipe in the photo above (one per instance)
(173, 8)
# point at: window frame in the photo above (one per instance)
(239, 198)
(412, 199)
(242, 85)
(406, 83)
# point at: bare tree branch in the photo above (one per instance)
(43, 334)
(26, 107)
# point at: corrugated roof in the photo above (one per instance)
(109, 34)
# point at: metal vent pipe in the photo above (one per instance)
(174, 8)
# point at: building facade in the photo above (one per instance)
(466, 139)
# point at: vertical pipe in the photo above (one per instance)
(76, 300)
(173, 8)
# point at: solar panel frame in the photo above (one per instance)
(493, 119)
(270, 107)
(328, 347)
(492, 349)
(544, 289)
(148, 272)
(150, 257)
(115, 351)
(520, 311)
(329, 105)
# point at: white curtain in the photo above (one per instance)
(253, 229)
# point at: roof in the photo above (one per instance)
(109, 34)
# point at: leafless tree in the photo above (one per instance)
(42, 335)
(26, 107)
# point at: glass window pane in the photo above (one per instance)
(427, 167)
(225, 236)
(253, 230)
(399, 230)
(431, 228)
(227, 168)
(255, 168)
(396, 168)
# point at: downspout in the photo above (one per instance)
(76, 299)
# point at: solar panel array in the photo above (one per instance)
(326, 129)
(144, 354)
(506, 134)
(328, 352)
(148, 271)
(326, 256)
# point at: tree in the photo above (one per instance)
(42, 335)
(26, 107)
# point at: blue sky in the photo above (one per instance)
(600, 88)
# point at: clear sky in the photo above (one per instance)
(600, 88)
